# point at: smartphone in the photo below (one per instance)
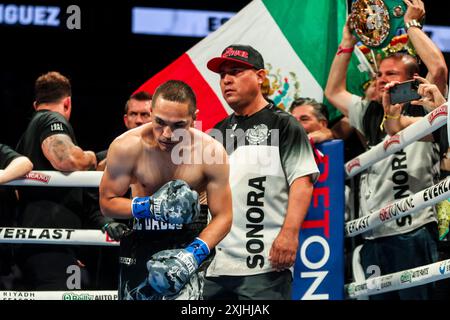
(404, 92)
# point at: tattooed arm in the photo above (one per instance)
(65, 156)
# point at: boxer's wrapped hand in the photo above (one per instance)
(173, 203)
(170, 270)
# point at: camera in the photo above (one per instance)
(404, 92)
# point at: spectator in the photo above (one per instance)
(269, 203)
(313, 116)
(431, 98)
(409, 241)
(136, 113)
(137, 110)
(49, 141)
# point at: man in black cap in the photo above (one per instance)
(272, 171)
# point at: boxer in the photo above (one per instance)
(163, 256)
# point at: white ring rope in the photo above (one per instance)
(59, 179)
(431, 122)
(59, 295)
(400, 280)
(403, 207)
(55, 236)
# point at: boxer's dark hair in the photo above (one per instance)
(176, 91)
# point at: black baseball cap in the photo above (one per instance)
(242, 54)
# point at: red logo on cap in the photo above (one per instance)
(230, 52)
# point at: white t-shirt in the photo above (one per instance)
(404, 173)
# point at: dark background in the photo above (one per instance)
(104, 61)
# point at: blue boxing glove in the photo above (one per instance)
(173, 203)
(170, 270)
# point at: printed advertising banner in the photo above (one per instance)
(319, 267)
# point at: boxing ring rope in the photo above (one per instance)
(400, 280)
(59, 179)
(55, 236)
(60, 236)
(398, 209)
(431, 122)
(59, 295)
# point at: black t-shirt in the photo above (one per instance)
(6, 156)
(7, 197)
(47, 207)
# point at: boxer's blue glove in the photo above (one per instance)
(173, 203)
(170, 270)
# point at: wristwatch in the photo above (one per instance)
(412, 23)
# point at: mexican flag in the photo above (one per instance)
(297, 39)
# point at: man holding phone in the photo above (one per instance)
(410, 241)
(404, 92)
(417, 92)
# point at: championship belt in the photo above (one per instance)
(376, 22)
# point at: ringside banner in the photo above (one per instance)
(74, 295)
(319, 267)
